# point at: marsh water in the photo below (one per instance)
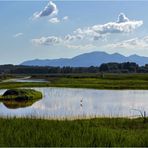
(24, 79)
(68, 103)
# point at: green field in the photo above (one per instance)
(88, 132)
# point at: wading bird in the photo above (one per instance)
(81, 102)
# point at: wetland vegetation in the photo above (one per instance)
(73, 73)
(21, 94)
(84, 132)
(96, 81)
(18, 98)
(103, 132)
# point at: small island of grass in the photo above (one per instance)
(21, 95)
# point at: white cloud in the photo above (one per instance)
(89, 34)
(123, 25)
(81, 47)
(65, 18)
(51, 41)
(17, 34)
(135, 43)
(54, 20)
(49, 10)
(72, 37)
(122, 18)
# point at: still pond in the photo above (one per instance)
(77, 103)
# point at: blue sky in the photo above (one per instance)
(60, 29)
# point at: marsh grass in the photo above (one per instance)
(21, 94)
(84, 132)
(97, 83)
(17, 98)
(12, 104)
(109, 81)
(10, 85)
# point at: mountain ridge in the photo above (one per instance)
(95, 58)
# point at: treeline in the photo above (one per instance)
(126, 67)
(12, 69)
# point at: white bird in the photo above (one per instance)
(81, 102)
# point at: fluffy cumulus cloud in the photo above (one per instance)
(122, 25)
(122, 18)
(49, 10)
(135, 43)
(18, 34)
(54, 20)
(93, 33)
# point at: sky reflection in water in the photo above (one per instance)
(65, 102)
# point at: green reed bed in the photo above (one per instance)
(21, 94)
(9, 85)
(99, 83)
(82, 83)
(107, 81)
(86, 132)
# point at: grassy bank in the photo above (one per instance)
(97, 83)
(18, 98)
(20, 95)
(108, 81)
(89, 132)
(10, 85)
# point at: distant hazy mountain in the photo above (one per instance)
(88, 59)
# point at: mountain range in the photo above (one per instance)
(88, 59)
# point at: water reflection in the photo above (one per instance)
(18, 104)
(66, 102)
(25, 80)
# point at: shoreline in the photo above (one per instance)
(74, 118)
(8, 85)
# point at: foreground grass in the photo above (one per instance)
(88, 132)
